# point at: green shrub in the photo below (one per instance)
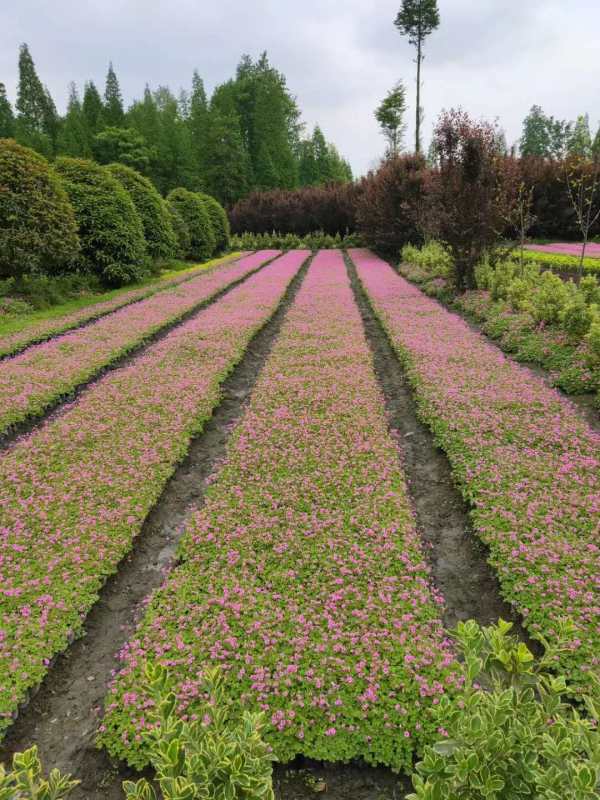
(518, 292)
(161, 242)
(192, 210)
(43, 291)
(433, 257)
(38, 230)
(110, 229)
(221, 756)
(220, 222)
(590, 288)
(24, 781)
(550, 298)
(577, 316)
(182, 232)
(593, 341)
(510, 733)
(318, 240)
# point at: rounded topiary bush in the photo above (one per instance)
(219, 221)
(195, 215)
(38, 230)
(110, 228)
(182, 232)
(161, 241)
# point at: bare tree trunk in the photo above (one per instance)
(418, 126)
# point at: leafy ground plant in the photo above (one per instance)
(219, 756)
(25, 780)
(510, 733)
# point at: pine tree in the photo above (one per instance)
(93, 112)
(197, 122)
(35, 109)
(7, 119)
(113, 102)
(73, 136)
(307, 164)
(417, 19)
(226, 163)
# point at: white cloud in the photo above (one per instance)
(495, 58)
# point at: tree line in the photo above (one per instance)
(247, 136)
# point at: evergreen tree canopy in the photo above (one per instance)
(246, 136)
(7, 119)
(36, 125)
(93, 111)
(113, 102)
(73, 139)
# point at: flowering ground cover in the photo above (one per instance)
(522, 455)
(302, 575)
(77, 490)
(23, 333)
(44, 373)
(567, 248)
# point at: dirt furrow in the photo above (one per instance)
(457, 557)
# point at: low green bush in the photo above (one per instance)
(550, 298)
(512, 732)
(161, 241)
(182, 232)
(433, 257)
(110, 228)
(559, 262)
(193, 212)
(38, 229)
(43, 291)
(290, 241)
(25, 780)
(220, 756)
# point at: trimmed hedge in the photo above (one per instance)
(182, 232)
(38, 230)
(192, 210)
(161, 241)
(110, 228)
(219, 221)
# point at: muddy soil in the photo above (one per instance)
(54, 408)
(62, 717)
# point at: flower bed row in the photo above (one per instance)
(523, 456)
(33, 380)
(303, 575)
(76, 491)
(42, 330)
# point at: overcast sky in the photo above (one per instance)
(495, 58)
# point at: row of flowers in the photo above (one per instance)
(302, 575)
(524, 457)
(37, 378)
(77, 490)
(39, 331)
